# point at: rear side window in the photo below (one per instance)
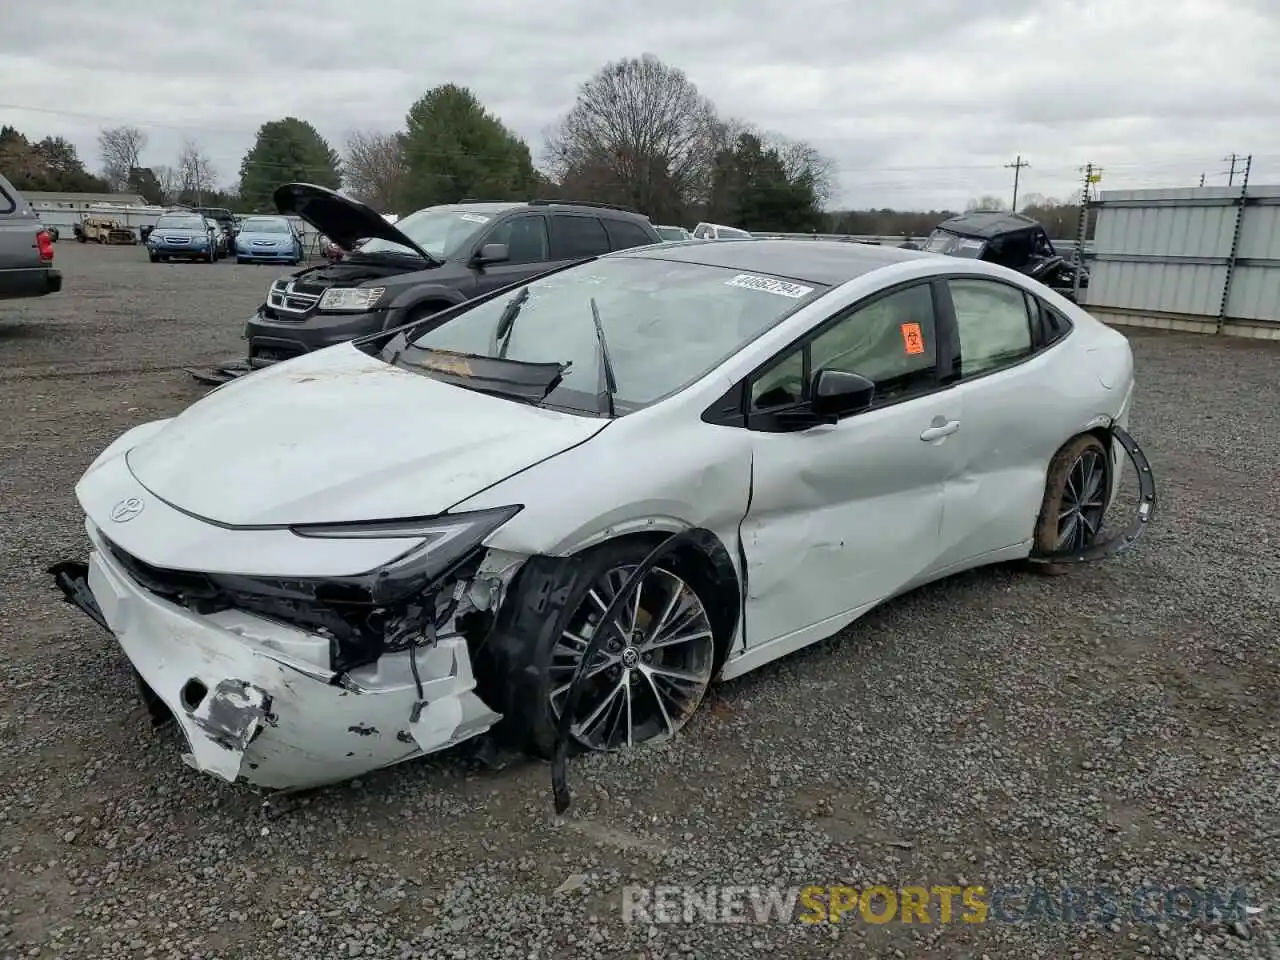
(7, 203)
(573, 237)
(993, 323)
(624, 234)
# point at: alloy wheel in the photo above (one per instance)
(652, 671)
(1083, 502)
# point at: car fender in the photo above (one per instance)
(402, 305)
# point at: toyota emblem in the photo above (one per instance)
(126, 510)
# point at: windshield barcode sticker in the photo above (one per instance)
(782, 288)
(473, 218)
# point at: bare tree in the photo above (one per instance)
(170, 183)
(121, 150)
(802, 160)
(196, 175)
(374, 169)
(640, 131)
(986, 202)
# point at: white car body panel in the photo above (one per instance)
(312, 732)
(831, 520)
(338, 435)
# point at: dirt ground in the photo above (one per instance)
(1119, 726)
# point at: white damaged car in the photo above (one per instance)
(381, 549)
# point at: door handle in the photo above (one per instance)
(938, 432)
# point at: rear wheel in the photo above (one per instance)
(1075, 500)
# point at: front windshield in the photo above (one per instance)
(264, 225)
(181, 223)
(441, 231)
(666, 323)
(954, 245)
(672, 233)
(733, 232)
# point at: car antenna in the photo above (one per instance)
(610, 383)
(507, 321)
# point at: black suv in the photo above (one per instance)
(226, 221)
(429, 260)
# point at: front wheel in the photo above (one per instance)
(153, 257)
(647, 679)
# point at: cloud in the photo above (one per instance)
(919, 105)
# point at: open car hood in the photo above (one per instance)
(344, 221)
(337, 435)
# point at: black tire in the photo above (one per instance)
(241, 261)
(526, 663)
(152, 257)
(1065, 470)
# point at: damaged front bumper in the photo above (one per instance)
(252, 713)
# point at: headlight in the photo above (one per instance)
(366, 614)
(446, 541)
(351, 298)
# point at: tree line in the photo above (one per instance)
(639, 134)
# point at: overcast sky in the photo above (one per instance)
(918, 103)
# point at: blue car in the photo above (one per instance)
(268, 240)
(185, 235)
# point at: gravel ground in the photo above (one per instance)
(1115, 726)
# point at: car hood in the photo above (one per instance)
(337, 435)
(344, 221)
(179, 232)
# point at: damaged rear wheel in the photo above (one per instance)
(1075, 501)
(650, 672)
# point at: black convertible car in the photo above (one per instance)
(1011, 240)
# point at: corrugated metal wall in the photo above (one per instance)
(1175, 253)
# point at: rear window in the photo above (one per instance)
(624, 234)
(7, 203)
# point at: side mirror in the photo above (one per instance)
(837, 393)
(492, 253)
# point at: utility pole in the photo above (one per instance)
(1016, 167)
(1231, 174)
(1234, 255)
(1092, 175)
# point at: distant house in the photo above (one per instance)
(51, 201)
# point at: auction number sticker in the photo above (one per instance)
(781, 288)
(473, 218)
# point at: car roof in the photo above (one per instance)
(828, 262)
(988, 223)
(505, 206)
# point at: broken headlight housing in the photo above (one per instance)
(350, 299)
(369, 614)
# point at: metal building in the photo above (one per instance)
(1203, 259)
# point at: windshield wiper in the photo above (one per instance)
(606, 366)
(507, 321)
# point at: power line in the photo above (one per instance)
(1231, 174)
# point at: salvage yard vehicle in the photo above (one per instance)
(224, 221)
(1011, 240)
(391, 274)
(268, 240)
(182, 235)
(382, 549)
(672, 233)
(26, 249)
(717, 231)
(96, 229)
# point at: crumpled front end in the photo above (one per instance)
(256, 697)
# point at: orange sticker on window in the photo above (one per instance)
(912, 339)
